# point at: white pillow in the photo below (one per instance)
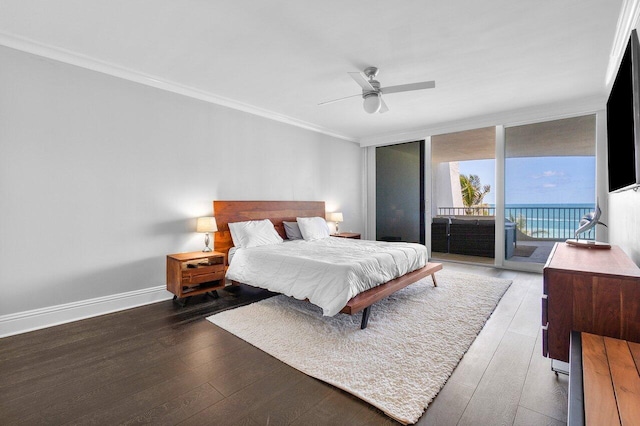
(313, 228)
(254, 233)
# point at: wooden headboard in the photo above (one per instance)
(276, 211)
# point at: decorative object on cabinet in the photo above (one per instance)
(335, 217)
(588, 244)
(587, 222)
(206, 225)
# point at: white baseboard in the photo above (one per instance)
(36, 319)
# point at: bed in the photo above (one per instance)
(279, 212)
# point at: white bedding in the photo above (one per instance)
(329, 271)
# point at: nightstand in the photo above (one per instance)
(189, 274)
(351, 235)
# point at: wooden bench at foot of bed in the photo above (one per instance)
(364, 300)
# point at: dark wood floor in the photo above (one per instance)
(162, 364)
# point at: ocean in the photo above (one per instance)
(553, 221)
(545, 221)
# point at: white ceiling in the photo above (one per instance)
(280, 58)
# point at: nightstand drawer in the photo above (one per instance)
(202, 274)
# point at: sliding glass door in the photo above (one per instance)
(400, 192)
(497, 195)
(463, 196)
(549, 185)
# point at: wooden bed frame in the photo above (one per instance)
(280, 211)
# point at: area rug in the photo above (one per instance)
(399, 363)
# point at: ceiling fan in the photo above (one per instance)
(372, 92)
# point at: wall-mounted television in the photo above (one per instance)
(623, 121)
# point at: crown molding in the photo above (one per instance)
(627, 21)
(93, 64)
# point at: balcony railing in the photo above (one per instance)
(538, 223)
(466, 211)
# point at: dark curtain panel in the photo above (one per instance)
(400, 192)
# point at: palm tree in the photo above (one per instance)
(472, 192)
(521, 222)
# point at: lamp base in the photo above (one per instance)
(206, 243)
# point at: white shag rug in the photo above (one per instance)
(399, 363)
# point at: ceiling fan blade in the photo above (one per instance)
(362, 81)
(383, 106)
(338, 100)
(409, 87)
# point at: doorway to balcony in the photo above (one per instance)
(463, 196)
(549, 184)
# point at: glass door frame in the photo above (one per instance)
(601, 184)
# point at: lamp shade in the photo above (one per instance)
(206, 224)
(335, 217)
(372, 103)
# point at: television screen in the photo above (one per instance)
(623, 119)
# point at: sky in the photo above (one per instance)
(539, 180)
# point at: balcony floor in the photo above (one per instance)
(539, 254)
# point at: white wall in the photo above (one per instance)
(100, 178)
(624, 222)
(446, 186)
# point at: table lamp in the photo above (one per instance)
(335, 217)
(206, 225)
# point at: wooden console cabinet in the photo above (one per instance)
(592, 290)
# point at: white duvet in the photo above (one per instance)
(329, 271)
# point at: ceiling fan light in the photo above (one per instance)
(372, 103)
